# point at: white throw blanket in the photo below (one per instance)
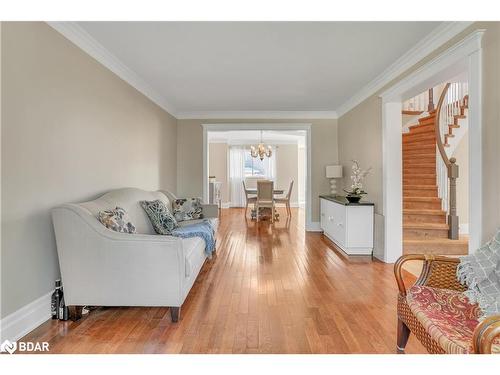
(480, 272)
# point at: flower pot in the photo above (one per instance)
(353, 198)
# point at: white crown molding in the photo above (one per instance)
(457, 52)
(27, 318)
(439, 36)
(78, 36)
(256, 115)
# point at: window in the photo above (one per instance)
(256, 167)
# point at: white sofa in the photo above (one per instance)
(101, 267)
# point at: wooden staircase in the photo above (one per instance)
(424, 222)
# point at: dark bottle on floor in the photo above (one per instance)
(63, 309)
(55, 300)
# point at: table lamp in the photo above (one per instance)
(333, 172)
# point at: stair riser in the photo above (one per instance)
(415, 138)
(418, 149)
(420, 129)
(419, 170)
(427, 121)
(420, 193)
(423, 205)
(420, 234)
(424, 218)
(436, 249)
(419, 181)
(410, 162)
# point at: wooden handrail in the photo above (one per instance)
(452, 169)
(438, 131)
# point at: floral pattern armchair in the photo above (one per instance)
(436, 311)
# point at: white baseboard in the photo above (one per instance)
(313, 226)
(226, 204)
(26, 319)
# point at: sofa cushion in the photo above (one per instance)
(117, 220)
(185, 209)
(162, 219)
(128, 199)
(447, 315)
(214, 222)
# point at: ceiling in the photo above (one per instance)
(257, 66)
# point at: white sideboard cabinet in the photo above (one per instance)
(348, 225)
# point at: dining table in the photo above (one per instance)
(253, 213)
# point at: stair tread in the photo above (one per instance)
(419, 225)
(416, 166)
(421, 199)
(420, 187)
(461, 240)
(423, 211)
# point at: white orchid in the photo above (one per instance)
(357, 177)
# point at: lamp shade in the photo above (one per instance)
(333, 171)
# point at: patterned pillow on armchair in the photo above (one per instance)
(187, 209)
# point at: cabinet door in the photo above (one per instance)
(339, 223)
(327, 209)
(360, 226)
(323, 215)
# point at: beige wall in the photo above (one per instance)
(366, 119)
(287, 169)
(217, 166)
(360, 138)
(71, 130)
(190, 155)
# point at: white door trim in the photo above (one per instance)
(464, 55)
(253, 126)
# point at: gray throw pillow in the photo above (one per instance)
(161, 218)
(187, 209)
(116, 220)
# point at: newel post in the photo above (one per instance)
(452, 213)
(430, 107)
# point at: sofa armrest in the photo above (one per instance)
(210, 211)
(437, 272)
(485, 333)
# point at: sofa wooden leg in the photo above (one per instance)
(75, 312)
(175, 313)
(403, 335)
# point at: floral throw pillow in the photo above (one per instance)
(187, 209)
(161, 218)
(117, 220)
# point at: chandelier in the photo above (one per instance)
(261, 151)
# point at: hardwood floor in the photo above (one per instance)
(269, 289)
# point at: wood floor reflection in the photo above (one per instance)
(269, 289)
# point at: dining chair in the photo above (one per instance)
(265, 197)
(286, 199)
(249, 199)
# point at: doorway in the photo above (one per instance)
(225, 144)
(465, 56)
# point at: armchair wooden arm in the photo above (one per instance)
(485, 333)
(437, 272)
